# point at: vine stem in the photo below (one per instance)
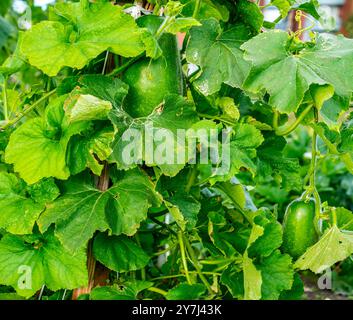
(143, 270)
(196, 9)
(288, 128)
(298, 15)
(103, 185)
(312, 176)
(203, 115)
(157, 290)
(159, 253)
(125, 65)
(131, 61)
(91, 266)
(5, 104)
(169, 277)
(27, 110)
(275, 120)
(156, 9)
(163, 225)
(196, 265)
(183, 256)
(192, 178)
(105, 62)
(216, 262)
(163, 26)
(334, 216)
(41, 292)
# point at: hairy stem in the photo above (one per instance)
(289, 127)
(275, 120)
(191, 179)
(183, 256)
(197, 8)
(127, 64)
(196, 264)
(163, 225)
(312, 191)
(143, 270)
(157, 290)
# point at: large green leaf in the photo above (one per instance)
(29, 262)
(175, 114)
(286, 75)
(38, 147)
(249, 13)
(18, 211)
(264, 272)
(44, 191)
(221, 234)
(243, 147)
(120, 254)
(271, 162)
(83, 209)
(234, 280)
(103, 87)
(252, 280)
(218, 54)
(88, 150)
(85, 107)
(188, 207)
(208, 9)
(75, 37)
(334, 246)
(270, 239)
(276, 273)
(242, 154)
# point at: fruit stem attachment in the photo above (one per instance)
(289, 127)
(311, 190)
(125, 65)
(334, 216)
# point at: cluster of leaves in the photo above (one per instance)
(179, 231)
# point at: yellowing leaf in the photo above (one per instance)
(218, 54)
(252, 280)
(18, 211)
(83, 209)
(86, 107)
(334, 246)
